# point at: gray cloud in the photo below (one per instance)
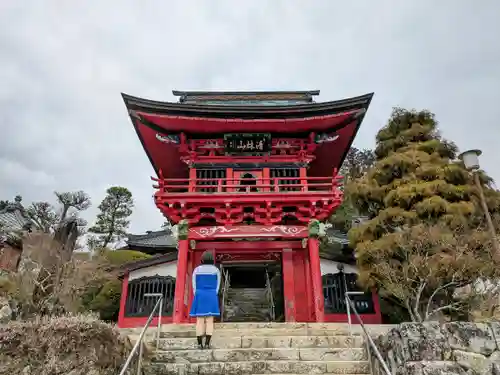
(64, 64)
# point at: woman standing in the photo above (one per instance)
(206, 284)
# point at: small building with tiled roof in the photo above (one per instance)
(152, 242)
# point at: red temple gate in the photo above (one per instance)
(249, 176)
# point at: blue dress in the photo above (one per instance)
(206, 283)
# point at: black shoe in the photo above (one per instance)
(207, 341)
(200, 342)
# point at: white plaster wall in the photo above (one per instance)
(330, 266)
(164, 269)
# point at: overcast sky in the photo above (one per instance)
(64, 63)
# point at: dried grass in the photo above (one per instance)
(70, 345)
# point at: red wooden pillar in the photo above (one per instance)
(317, 284)
(123, 301)
(289, 285)
(192, 180)
(309, 294)
(180, 282)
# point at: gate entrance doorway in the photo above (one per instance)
(252, 292)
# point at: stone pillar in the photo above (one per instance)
(317, 283)
(289, 285)
(180, 281)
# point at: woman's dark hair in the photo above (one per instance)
(207, 257)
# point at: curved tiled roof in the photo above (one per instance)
(13, 221)
(13, 218)
(160, 238)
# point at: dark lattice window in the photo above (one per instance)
(284, 176)
(334, 293)
(137, 305)
(209, 178)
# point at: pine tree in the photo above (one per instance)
(422, 241)
(112, 222)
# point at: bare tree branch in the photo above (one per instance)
(437, 290)
(417, 299)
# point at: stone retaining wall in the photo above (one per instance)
(432, 348)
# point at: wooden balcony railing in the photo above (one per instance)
(247, 185)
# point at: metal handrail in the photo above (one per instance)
(138, 344)
(350, 306)
(271, 298)
(225, 288)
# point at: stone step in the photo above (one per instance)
(247, 297)
(266, 329)
(265, 354)
(248, 318)
(258, 367)
(252, 296)
(261, 342)
(343, 326)
(247, 303)
(264, 332)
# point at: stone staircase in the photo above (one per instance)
(247, 305)
(260, 348)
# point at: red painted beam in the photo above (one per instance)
(231, 246)
(248, 197)
(246, 231)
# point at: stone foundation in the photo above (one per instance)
(432, 348)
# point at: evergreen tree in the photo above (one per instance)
(112, 222)
(422, 240)
(356, 164)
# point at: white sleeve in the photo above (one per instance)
(218, 280)
(193, 279)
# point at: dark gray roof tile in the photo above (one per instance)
(161, 238)
(13, 219)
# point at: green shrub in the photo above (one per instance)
(121, 257)
(107, 301)
(103, 295)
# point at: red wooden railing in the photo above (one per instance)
(247, 185)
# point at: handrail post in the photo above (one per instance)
(139, 360)
(271, 298)
(160, 310)
(158, 332)
(348, 307)
(138, 343)
(369, 338)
